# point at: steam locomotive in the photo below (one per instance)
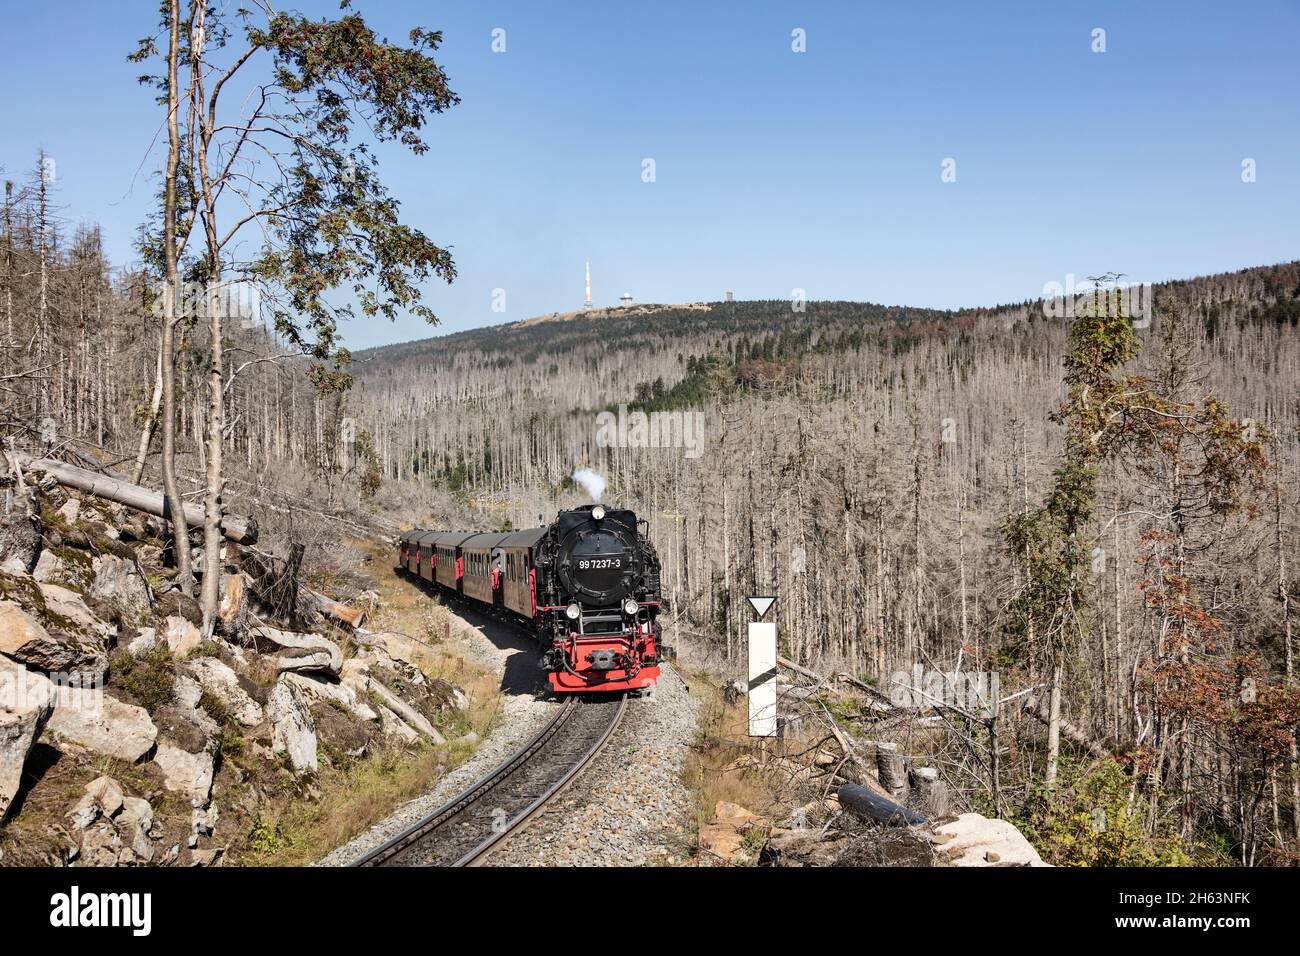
(586, 585)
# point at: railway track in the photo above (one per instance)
(463, 831)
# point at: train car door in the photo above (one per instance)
(497, 577)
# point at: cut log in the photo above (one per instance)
(238, 528)
(874, 808)
(352, 616)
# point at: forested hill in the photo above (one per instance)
(637, 326)
(773, 327)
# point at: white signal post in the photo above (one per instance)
(762, 671)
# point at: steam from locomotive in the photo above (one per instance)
(587, 586)
(592, 482)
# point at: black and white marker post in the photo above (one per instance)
(762, 671)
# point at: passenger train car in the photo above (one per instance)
(586, 585)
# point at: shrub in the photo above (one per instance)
(149, 679)
(1086, 820)
(215, 707)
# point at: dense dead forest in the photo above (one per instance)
(892, 474)
(81, 349)
(868, 465)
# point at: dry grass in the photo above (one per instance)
(346, 800)
(295, 832)
(726, 763)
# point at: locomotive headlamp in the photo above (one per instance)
(572, 612)
(630, 607)
(598, 512)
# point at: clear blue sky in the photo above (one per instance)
(775, 169)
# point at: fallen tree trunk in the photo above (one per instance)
(238, 528)
(1038, 710)
(839, 676)
(330, 608)
(874, 808)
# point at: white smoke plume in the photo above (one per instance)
(593, 482)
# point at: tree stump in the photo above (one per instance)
(890, 769)
(929, 793)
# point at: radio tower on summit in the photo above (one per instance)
(587, 302)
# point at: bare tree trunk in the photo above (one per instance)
(151, 423)
(175, 505)
(961, 561)
(1284, 596)
(42, 395)
(9, 274)
(881, 647)
(1054, 726)
(726, 568)
(1121, 669)
(216, 382)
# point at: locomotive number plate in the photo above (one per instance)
(592, 564)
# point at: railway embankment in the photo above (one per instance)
(508, 660)
(127, 737)
(627, 806)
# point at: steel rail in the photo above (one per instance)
(476, 856)
(426, 828)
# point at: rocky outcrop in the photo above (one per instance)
(90, 718)
(20, 539)
(114, 828)
(26, 640)
(397, 646)
(26, 702)
(117, 580)
(317, 688)
(181, 636)
(217, 679)
(103, 796)
(49, 567)
(171, 698)
(134, 825)
(188, 743)
(401, 720)
(396, 728)
(143, 643)
(301, 653)
(293, 732)
(68, 605)
(186, 772)
(359, 680)
(975, 840)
